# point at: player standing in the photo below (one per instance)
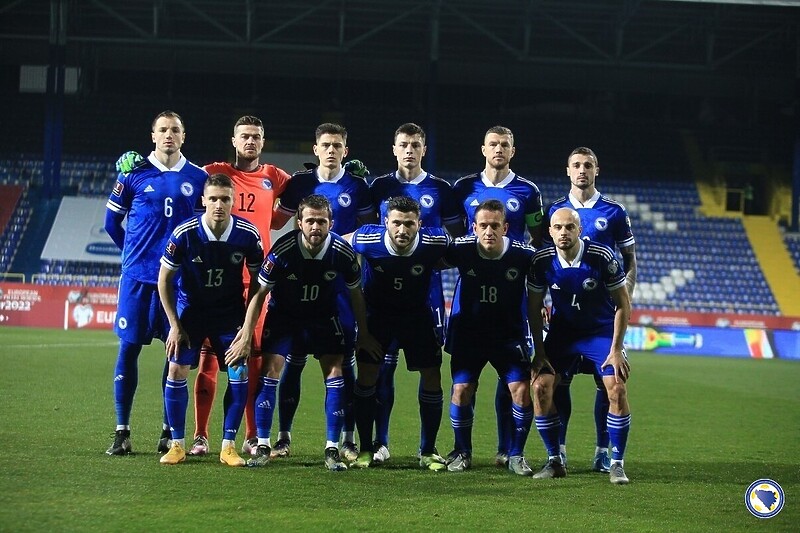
(488, 325)
(591, 310)
(153, 198)
(348, 195)
(398, 260)
(303, 272)
(258, 185)
(523, 204)
(438, 208)
(210, 252)
(607, 222)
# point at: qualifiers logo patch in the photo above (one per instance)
(118, 188)
(764, 498)
(268, 264)
(171, 248)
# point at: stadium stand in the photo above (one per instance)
(792, 241)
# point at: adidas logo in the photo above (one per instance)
(119, 377)
(471, 272)
(474, 203)
(340, 412)
(555, 286)
(615, 450)
(378, 269)
(149, 188)
(264, 405)
(292, 277)
(197, 259)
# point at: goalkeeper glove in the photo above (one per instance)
(356, 168)
(129, 161)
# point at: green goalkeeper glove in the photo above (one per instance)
(129, 161)
(356, 168)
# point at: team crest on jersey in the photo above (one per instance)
(187, 189)
(171, 248)
(266, 184)
(354, 267)
(512, 274)
(613, 267)
(237, 258)
(512, 204)
(417, 270)
(329, 275)
(344, 200)
(426, 200)
(589, 284)
(268, 264)
(601, 224)
(118, 188)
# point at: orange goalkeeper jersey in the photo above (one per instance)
(254, 195)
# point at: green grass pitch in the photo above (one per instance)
(703, 430)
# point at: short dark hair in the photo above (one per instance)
(404, 204)
(500, 130)
(331, 129)
(168, 114)
(314, 201)
(582, 150)
(218, 180)
(248, 120)
(491, 205)
(409, 128)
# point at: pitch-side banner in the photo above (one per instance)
(55, 306)
(78, 233)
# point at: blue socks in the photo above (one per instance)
(549, 427)
(385, 396)
(522, 417)
(289, 392)
(265, 406)
(618, 428)
(334, 407)
(430, 416)
(462, 417)
(176, 400)
(126, 379)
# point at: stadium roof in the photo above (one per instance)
(698, 47)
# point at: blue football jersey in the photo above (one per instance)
(520, 197)
(155, 199)
(211, 278)
(348, 195)
(398, 285)
(602, 219)
(582, 302)
(305, 287)
(435, 196)
(490, 293)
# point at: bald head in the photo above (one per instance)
(565, 228)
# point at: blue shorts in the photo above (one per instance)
(140, 317)
(563, 350)
(415, 335)
(511, 359)
(286, 335)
